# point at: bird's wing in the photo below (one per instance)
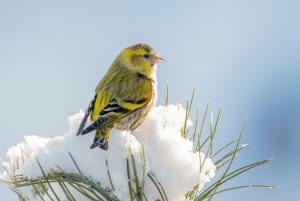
(103, 99)
(87, 114)
(114, 112)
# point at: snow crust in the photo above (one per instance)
(168, 156)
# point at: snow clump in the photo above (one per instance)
(168, 156)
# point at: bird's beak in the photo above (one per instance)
(156, 60)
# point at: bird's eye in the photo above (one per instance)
(146, 56)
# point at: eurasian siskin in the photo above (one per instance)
(125, 95)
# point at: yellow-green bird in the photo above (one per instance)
(124, 96)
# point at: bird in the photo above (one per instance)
(124, 96)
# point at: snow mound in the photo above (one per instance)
(168, 156)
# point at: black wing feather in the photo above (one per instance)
(109, 112)
(86, 115)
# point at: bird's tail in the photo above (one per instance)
(101, 138)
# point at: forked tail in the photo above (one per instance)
(101, 138)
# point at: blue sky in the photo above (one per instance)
(241, 55)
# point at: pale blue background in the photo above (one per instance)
(241, 54)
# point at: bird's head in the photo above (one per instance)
(140, 58)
